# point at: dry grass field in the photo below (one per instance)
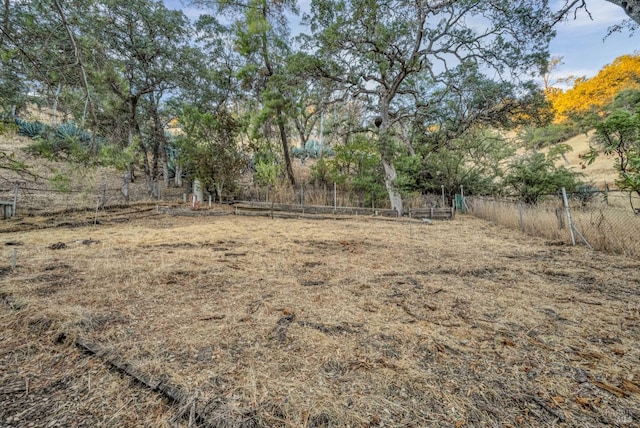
(357, 322)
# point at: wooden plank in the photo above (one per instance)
(310, 209)
(172, 392)
(266, 208)
(433, 213)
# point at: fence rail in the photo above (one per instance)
(266, 208)
(605, 221)
(43, 197)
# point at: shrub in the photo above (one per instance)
(8, 127)
(535, 176)
(537, 138)
(312, 149)
(31, 129)
(66, 141)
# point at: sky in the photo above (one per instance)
(582, 43)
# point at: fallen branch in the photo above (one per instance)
(172, 392)
(612, 389)
(546, 407)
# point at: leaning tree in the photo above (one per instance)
(400, 55)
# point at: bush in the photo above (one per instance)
(66, 141)
(31, 129)
(312, 149)
(8, 127)
(537, 138)
(535, 176)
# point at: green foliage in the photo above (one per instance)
(60, 182)
(585, 193)
(67, 141)
(312, 149)
(69, 130)
(31, 129)
(473, 160)
(539, 137)
(8, 127)
(208, 150)
(266, 164)
(355, 166)
(417, 60)
(117, 156)
(536, 176)
(618, 134)
(267, 173)
(321, 173)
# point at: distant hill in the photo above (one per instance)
(600, 173)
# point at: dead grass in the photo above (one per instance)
(359, 322)
(601, 172)
(606, 226)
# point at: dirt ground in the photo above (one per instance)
(358, 322)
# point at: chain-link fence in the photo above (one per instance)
(607, 221)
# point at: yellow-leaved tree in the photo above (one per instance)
(591, 95)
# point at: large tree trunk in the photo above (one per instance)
(390, 175)
(386, 150)
(158, 144)
(132, 104)
(285, 146)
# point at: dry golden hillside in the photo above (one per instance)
(601, 172)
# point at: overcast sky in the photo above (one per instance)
(581, 42)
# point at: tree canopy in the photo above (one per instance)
(594, 94)
(397, 95)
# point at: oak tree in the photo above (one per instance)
(400, 55)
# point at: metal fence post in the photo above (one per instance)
(565, 202)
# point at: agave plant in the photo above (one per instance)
(312, 149)
(69, 130)
(30, 129)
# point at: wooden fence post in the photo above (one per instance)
(521, 220)
(15, 198)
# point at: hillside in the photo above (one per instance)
(600, 173)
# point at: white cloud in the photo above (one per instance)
(583, 43)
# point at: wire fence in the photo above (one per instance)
(33, 198)
(334, 195)
(44, 197)
(606, 221)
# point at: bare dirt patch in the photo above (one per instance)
(270, 322)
